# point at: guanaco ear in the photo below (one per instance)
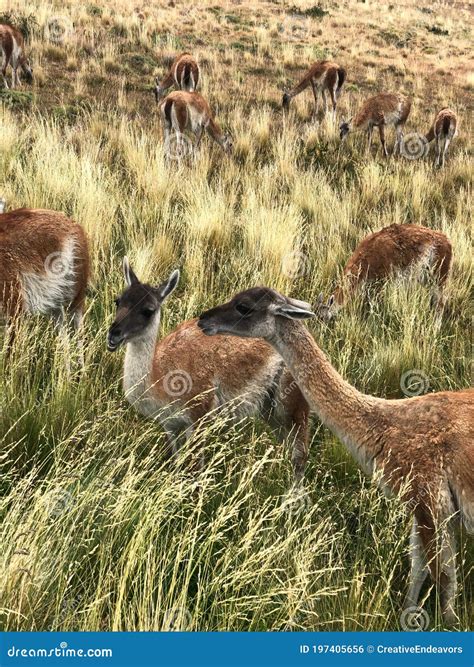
(170, 285)
(129, 275)
(293, 312)
(297, 303)
(320, 300)
(331, 300)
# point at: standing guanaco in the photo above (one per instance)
(184, 73)
(12, 47)
(393, 250)
(380, 111)
(323, 76)
(444, 129)
(44, 266)
(181, 112)
(421, 448)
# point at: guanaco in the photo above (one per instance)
(323, 76)
(184, 74)
(185, 376)
(444, 129)
(421, 448)
(44, 266)
(393, 250)
(189, 112)
(380, 111)
(12, 47)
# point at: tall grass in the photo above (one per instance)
(99, 530)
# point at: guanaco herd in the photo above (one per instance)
(185, 110)
(264, 360)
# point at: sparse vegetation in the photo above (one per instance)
(99, 530)
(316, 11)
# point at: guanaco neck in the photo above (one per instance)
(354, 417)
(138, 363)
(215, 131)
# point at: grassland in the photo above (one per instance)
(98, 531)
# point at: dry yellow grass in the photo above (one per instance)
(99, 531)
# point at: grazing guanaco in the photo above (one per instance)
(323, 76)
(183, 377)
(44, 266)
(12, 47)
(444, 129)
(184, 73)
(181, 112)
(393, 250)
(421, 448)
(380, 111)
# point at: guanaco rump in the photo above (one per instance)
(189, 112)
(44, 266)
(184, 74)
(420, 448)
(444, 129)
(380, 111)
(12, 47)
(323, 76)
(394, 250)
(185, 376)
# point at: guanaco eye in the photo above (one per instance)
(243, 310)
(148, 312)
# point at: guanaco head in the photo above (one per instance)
(325, 311)
(254, 313)
(285, 102)
(345, 128)
(27, 71)
(227, 143)
(138, 308)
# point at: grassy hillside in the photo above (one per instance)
(99, 531)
